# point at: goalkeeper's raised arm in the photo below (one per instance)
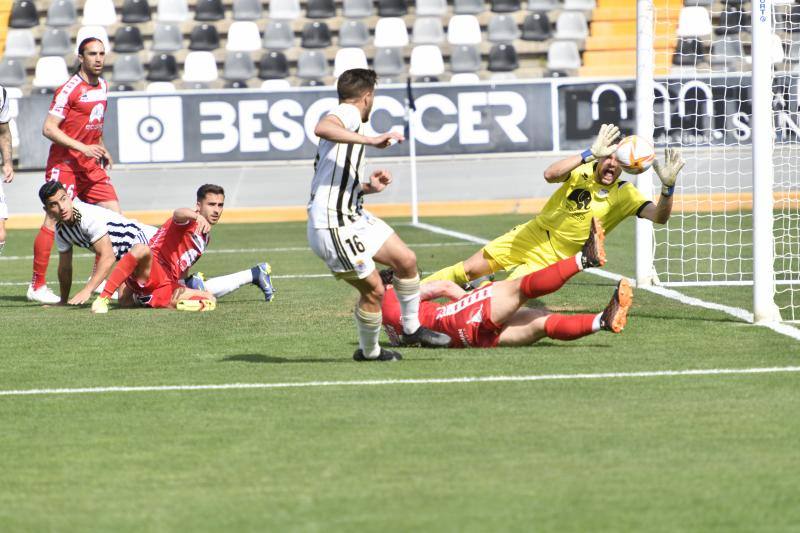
(604, 146)
(667, 172)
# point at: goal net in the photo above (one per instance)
(704, 104)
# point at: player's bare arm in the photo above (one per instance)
(5, 150)
(105, 262)
(65, 274)
(378, 181)
(604, 146)
(667, 172)
(440, 288)
(109, 161)
(56, 135)
(183, 215)
(331, 128)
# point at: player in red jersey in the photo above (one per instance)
(153, 274)
(493, 315)
(78, 158)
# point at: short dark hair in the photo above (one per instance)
(85, 43)
(49, 189)
(209, 188)
(355, 82)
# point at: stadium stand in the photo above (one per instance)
(538, 37)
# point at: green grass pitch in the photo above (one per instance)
(697, 453)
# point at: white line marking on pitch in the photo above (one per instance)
(741, 314)
(426, 381)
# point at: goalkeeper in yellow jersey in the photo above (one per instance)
(591, 188)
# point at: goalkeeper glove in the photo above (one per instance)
(604, 145)
(668, 172)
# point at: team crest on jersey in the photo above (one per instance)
(360, 267)
(97, 113)
(581, 197)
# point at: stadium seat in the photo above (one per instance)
(273, 65)
(99, 13)
(502, 29)
(427, 30)
(312, 65)
(243, 36)
(503, 58)
(353, 33)
(563, 55)
(172, 10)
(464, 78)
(571, 25)
(315, 35)
(348, 58)
(92, 31)
(160, 87)
(778, 53)
(162, 67)
(388, 62)
(320, 9)
(23, 15)
(128, 39)
(464, 29)
(276, 85)
(731, 20)
(62, 13)
(239, 66)
(727, 54)
(465, 58)
(689, 52)
(426, 61)
(694, 22)
(167, 37)
(12, 72)
(51, 72)
(204, 37)
(128, 69)
(199, 67)
(357, 9)
(505, 6)
(55, 42)
(135, 11)
(284, 9)
(580, 5)
(536, 27)
(392, 8)
(391, 32)
(468, 7)
(543, 5)
(246, 9)
(431, 8)
(209, 10)
(278, 35)
(20, 43)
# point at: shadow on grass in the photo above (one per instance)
(261, 358)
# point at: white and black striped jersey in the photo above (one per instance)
(336, 196)
(91, 222)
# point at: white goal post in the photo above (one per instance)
(736, 216)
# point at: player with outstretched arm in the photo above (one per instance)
(591, 189)
(348, 237)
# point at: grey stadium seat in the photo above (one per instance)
(353, 33)
(278, 35)
(128, 69)
(312, 65)
(62, 13)
(167, 37)
(246, 9)
(239, 66)
(388, 62)
(502, 29)
(55, 42)
(465, 58)
(12, 72)
(427, 30)
(357, 9)
(468, 7)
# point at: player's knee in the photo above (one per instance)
(375, 295)
(408, 265)
(2, 233)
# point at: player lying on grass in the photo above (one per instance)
(107, 233)
(154, 273)
(590, 190)
(493, 315)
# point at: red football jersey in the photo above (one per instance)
(467, 320)
(177, 247)
(83, 107)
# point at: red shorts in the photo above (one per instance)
(468, 320)
(157, 291)
(91, 185)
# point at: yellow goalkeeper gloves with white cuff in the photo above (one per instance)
(604, 145)
(668, 172)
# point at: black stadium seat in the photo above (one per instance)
(316, 35)
(320, 9)
(503, 58)
(273, 65)
(162, 67)
(204, 37)
(128, 39)
(135, 11)
(23, 15)
(505, 6)
(690, 52)
(536, 27)
(209, 10)
(392, 8)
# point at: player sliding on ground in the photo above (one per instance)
(591, 188)
(154, 274)
(349, 238)
(493, 315)
(107, 233)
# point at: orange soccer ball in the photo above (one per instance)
(635, 154)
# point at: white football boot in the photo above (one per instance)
(42, 295)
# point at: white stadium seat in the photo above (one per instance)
(571, 25)
(160, 87)
(243, 36)
(563, 55)
(347, 58)
(464, 29)
(20, 43)
(428, 30)
(284, 9)
(276, 85)
(199, 67)
(694, 21)
(464, 78)
(431, 8)
(390, 32)
(426, 60)
(172, 11)
(93, 31)
(99, 13)
(51, 72)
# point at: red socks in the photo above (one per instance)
(121, 272)
(42, 246)
(549, 279)
(568, 327)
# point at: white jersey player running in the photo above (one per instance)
(107, 233)
(346, 236)
(8, 168)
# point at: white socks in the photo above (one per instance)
(596, 322)
(222, 285)
(408, 295)
(369, 331)
(2, 245)
(579, 260)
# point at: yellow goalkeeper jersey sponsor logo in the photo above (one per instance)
(568, 213)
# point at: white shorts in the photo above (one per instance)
(348, 251)
(3, 205)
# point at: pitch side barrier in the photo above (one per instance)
(500, 117)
